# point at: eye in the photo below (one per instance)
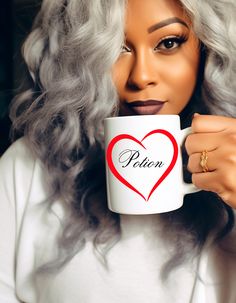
(169, 44)
(125, 49)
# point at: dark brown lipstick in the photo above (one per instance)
(148, 107)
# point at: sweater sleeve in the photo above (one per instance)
(10, 172)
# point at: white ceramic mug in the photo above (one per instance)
(144, 164)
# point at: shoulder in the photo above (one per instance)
(17, 163)
(18, 152)
(20, 171)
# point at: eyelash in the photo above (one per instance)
(179, 40)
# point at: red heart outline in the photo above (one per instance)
(126, 136)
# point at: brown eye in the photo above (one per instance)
(170, 43)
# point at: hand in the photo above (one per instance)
(216, 135)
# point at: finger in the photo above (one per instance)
(208, 181)
(210, 123)
(196, 143)
(195, 159)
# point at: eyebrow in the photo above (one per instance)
(165, 23)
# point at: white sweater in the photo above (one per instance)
(28, 239)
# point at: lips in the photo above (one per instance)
(145, 107)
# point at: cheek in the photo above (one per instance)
(182, 77)
(120, 75)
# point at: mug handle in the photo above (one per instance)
(188, 187)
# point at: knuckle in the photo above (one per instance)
(191, 164)
(229, 139)
(232, 137)
(228, 180)
(225, 196)
(189, 144)
(195, 180)
(190, 168)
(196, 122)
(231, 158)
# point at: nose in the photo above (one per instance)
(143, 72)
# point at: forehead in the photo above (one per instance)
(148, 12)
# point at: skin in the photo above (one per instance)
(146, 68)
(217, 135)
(152, 66)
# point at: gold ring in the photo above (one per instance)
(203, 161)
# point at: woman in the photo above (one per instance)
(59, 242)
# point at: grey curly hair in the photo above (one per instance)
(70, 53)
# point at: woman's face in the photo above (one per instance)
(157, 70)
